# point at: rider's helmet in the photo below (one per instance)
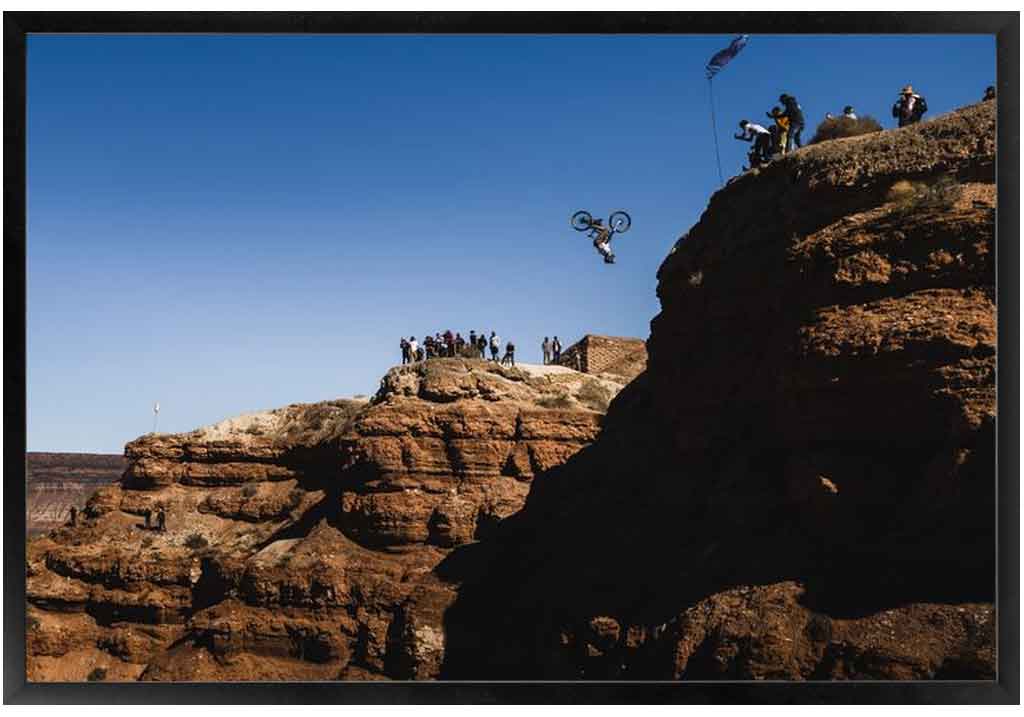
(744, 123)
(783, 97)
(847, 110)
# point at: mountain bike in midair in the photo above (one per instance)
(618, 223)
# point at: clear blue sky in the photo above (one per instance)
(227, 224)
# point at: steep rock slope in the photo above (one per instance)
(296, 537)
(801, 485)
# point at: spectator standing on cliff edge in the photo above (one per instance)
(909, 108)
(556, 348)
(545, 348)
(414, 348)
(406, 355)
(495, 346)
(795, 114)
(509, 359)
(780, 131)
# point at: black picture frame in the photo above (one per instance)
(1005, 26)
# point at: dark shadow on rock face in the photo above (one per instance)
(653, 556)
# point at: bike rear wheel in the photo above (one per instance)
(622, 219)
(581, 221)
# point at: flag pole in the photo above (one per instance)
(714, 131)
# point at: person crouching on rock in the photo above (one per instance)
(762, 139)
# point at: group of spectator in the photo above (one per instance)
(552, 350)
(784, 134)
(447, 345)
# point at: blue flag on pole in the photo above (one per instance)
(723, 57)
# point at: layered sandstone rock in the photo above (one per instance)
(297, 538)
(801, 485)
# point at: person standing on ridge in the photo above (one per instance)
(909, 108)
(161, 520)
(495, 346)
(481, 344)
(795, 114)
(509, 359)
(781, 131)
(545, 348)
(73, 516)
(406, 356)
(472, 340)
(413, 346)
(556, 349)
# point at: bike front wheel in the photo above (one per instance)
(581, 221)
(620, 222)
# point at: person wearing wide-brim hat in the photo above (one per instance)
(909, 108)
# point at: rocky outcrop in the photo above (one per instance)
(57, 481)
(801, 484)
(298, 540)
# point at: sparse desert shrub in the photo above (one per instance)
(196, 542)
(97, 675)
(594, 395)
(910, 197)
(316, 423)
(249, 491)
(559, 401)
(837, 127)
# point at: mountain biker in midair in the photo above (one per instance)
(602, 241)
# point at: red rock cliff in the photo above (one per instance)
(295, 536)
(801, 485)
